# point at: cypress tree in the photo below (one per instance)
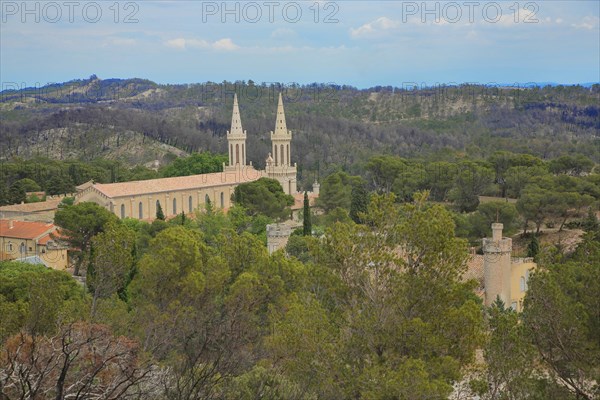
(307, 224)
(534, 247)
(359, 202)
(159, 212)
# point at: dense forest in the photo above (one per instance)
(195, 308)
(137, 121)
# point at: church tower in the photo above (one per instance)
(280, 166)
(236, 139)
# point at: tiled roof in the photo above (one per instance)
(24, 229)
(192, 182)
(299, 200)
(33, 207)
(474, 268)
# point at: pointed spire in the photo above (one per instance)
(236, 121)
(280, 125)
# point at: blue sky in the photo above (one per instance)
(361, 43)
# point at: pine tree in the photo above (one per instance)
(359, 202)
(534, 247)
(159, 212)
(307, 224)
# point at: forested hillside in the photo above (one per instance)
(132, 121)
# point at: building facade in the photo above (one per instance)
(141, 199)
(24, 240)
(504, 277)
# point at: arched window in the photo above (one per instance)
(275, 152)
(174, 206)
(122, 211)
(140, 211)
(222, 200)
(190, 207)
(231, 154)
(237, 153)
(22, 249)
(523, 284)
(282, 158)
(10, 247)
(288, 155)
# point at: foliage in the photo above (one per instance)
(35, 299)
(159, 212)
(306, 221)
(79, 223)
(264, 196)
(194, 164)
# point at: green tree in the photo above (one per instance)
(112, 262)
(264, 196)
(159, 212)
(336, 191)
(359, 202)
(197, 163)
(561, 314)
(16, 193)
(306, 223)
(471, 181)
(79, 224)
(533, 248)
(36, 299)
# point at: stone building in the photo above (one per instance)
(141, 199)
(26, 240)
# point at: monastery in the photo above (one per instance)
(141, 199)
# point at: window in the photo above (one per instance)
(222, 200)
(523, 284)
(43, 250)
(30, 248)
(22, 248)
(190, 206)
(288, 154)
(174, 206)
(10, 247)
(237, 153)
(282, 159)
(122, 211)
(275, 152)
(231, 154)
(140, 211)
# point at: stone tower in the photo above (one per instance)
(497, 266)
(281, 167)
(236, 139)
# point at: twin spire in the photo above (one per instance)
(236, 137)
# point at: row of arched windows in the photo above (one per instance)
(174, 209)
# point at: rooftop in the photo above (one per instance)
(121, 189)
(47, 205)
(24, 229)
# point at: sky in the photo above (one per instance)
(358, 43)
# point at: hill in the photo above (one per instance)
(138, 121)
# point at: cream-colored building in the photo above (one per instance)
(27, 241)
(141, 199)
(504, 277)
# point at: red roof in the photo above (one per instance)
(24, 229)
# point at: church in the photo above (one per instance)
(141, 199)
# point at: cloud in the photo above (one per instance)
(377, 26)
(590, 22)
(225, 44)
(283, 33)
